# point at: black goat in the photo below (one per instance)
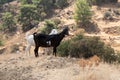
(54, 40)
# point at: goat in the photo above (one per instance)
(30, 40)
(54, 39)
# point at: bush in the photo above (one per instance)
(28, 16)
(99, 2)
(82, 12)
(85, 47)
(37, 10)
(109, 54)
(108, 15)
(26, 1)
(81, 46)
(1, 43)
(14, 48)
(118, 57)
(8, 22)
(4, 1)
(56, 21)
(61, 3)
(49, 25)
(63, 49)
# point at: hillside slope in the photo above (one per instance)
(22, 67)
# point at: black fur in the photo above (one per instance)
(55, 39)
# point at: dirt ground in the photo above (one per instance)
(24, 67)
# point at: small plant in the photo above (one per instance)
(1, 43)
(49, 25)
(5, 1)
(82, 12)
(63, 49)
(8, 21)
(14, 48)
(61, 3)
(108, 55)
(108, 15)
(56, 21)
(100, 2)
(118, 57)
(28, 16)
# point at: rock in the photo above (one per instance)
(2, 50)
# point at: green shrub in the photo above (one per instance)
(108, 54)
(108, 15)
(86, 47)
(49, 25)
(45, 5)
(4, 1)
(118, 57)
(81, 46)
(1, 43)
(56, 21)
(63, 49)
(69, 47)
(8, 21)
(28, 16)
(26, 1)
(61, 3)
(82, 12)
(99, 2)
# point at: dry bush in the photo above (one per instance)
(14, 48)
(92, 61)
(112, 30)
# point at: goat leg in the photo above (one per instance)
(36, 52)
(54, 51)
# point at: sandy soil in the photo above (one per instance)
(22, 67)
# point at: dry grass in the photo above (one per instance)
(93, 61)
(94, 69)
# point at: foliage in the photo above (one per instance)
(1, 43)
(81, 46)
(56, 21)
(8, 21)
(33, 11)
(82, 12)
(4, 1)
(49, 25)
(118, 57)
(26, 1)
(61, 3)
(108, 15)
(109, 54)
(45, 4)
(63, 49)
(99, 2)
(28, 16)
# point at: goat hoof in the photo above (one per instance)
(36, 55)
(43, 53)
